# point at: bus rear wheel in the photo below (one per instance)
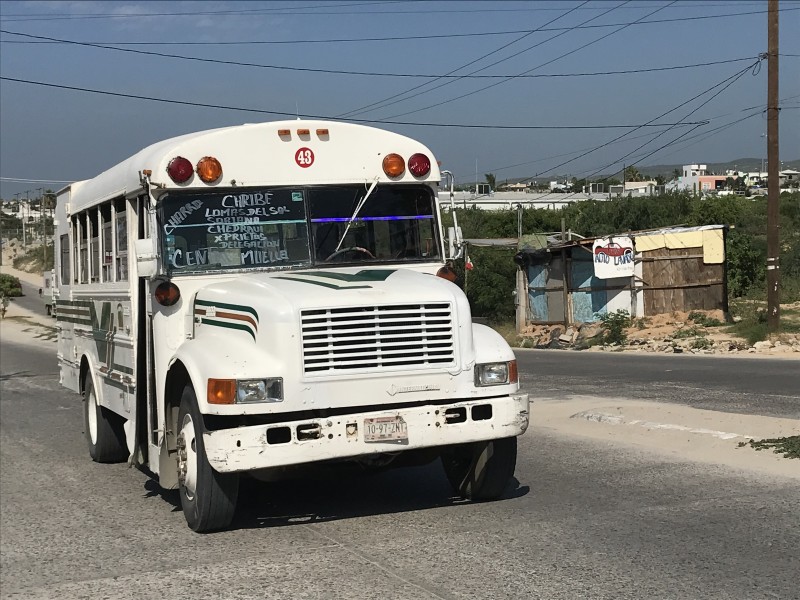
(481, 470)
(208, 498)
(105, 433)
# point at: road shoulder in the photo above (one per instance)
(672, 430)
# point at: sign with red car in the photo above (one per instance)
(613, 257)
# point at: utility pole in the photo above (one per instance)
(44, 226)
(22, 212)
(773, 177)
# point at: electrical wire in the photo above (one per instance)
(534, 68)
(695, 97)
(725, 83)
(323, 117)
(255, 12)
(761, 108)
(407, 94)
(374, 74)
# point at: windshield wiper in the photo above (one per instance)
(359, 206)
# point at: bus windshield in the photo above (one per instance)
(269, 227)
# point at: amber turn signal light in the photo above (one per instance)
(221, 391)
(209, 169)
(394, 165)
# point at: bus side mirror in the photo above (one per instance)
(454, 242)
(146, 257)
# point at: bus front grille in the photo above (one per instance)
(377, 337)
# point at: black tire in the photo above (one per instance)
(481, 470)
(104, 431)
(208, 498)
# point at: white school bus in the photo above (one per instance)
(246, 299)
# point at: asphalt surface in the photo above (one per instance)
(30, 299)
(747, 385)
(584, 520)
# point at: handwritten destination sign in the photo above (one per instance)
(204, 229)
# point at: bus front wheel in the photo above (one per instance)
(105, 433)
(208, 498)
(481, 470)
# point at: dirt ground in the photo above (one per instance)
(675, 333)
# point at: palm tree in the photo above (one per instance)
(632, 174)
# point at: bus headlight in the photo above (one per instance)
(499, 373)
(259, 390)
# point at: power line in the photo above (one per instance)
(534, 68)
(759, 110)
(20, 180)
(374, 74)
(323, 117)
(295, 11)
(393, 99)
(727, 81)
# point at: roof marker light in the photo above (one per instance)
(321, 132)
(284, 132)
(303, 132)
(209, 169)
(419, 165)
(394, 165)
(180, 170)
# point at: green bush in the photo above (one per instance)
(704, 320)
(614, 326)
(10, 286)
(491, 282)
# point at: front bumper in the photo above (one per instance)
(298, 442)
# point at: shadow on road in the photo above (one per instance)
(337, 492)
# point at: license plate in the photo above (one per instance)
(385, 429)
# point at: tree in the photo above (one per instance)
(491, 180)
(676, 173)
(632, 174)
(661, 180)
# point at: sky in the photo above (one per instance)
(568, 88)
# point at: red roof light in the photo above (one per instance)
(180, 170)
(419, 165)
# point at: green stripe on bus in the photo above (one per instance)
(76, 321)
(229, 326)
(331, 286)
(238, 307)
(365, 275)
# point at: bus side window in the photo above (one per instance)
(94, 228)
(107, 248)
(64, 243)
(84, 247)
(75, 249)
(121, 228)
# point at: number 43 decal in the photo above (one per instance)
(304, 157)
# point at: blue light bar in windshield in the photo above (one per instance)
(346, 219)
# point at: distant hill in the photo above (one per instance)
(741, 164)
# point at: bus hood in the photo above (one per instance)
(274, 303)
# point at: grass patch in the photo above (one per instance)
(688, 332)
(789, 446)
(703, 320)
(701, 343)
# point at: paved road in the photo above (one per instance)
(762, 386)
(30, 299)
(586, 520)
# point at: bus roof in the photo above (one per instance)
(257, 155)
